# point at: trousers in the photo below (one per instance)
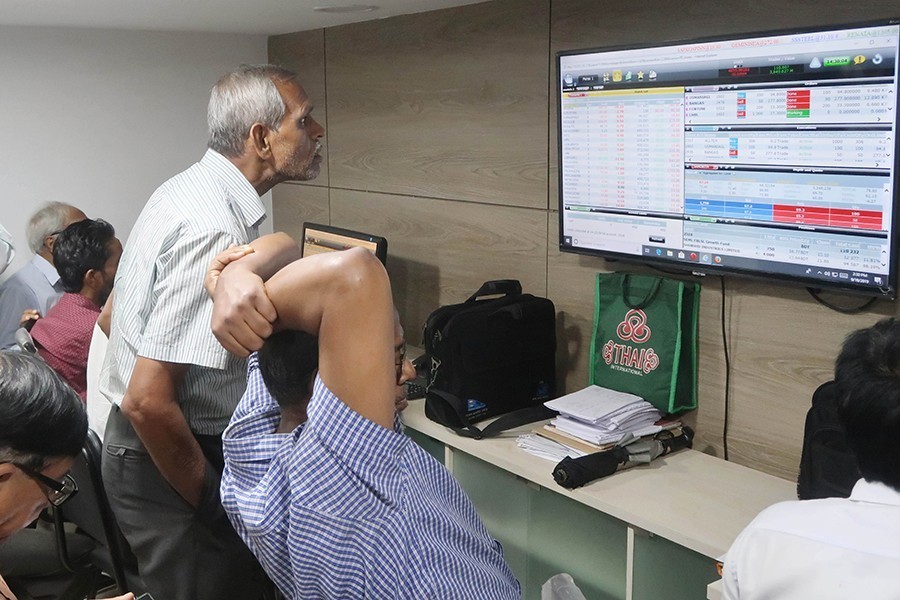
(183, 553)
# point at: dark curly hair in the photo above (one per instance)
(80, 247)
(867, 373)
(287, 362)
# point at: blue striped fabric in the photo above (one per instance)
(343, 508)
(162, 311)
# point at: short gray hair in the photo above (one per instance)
(49, 219)
(241, 98)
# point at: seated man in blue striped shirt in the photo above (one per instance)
(347, 506)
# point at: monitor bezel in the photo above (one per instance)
(700, 270)
(380, 242)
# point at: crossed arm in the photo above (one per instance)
(151, 400)
(345, 299)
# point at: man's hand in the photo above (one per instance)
(29, 318)
(222, 260)
(242, 312)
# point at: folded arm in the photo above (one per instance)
(244, 307)
(345, 299)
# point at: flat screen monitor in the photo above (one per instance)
(325, 238)
(771, 155)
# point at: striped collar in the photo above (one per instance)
(372, 452)
(243, 195)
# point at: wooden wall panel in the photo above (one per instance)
(446, 104)
(294, 204)
(440, 252)
(439, 130)
(304, 54)
(570, 281)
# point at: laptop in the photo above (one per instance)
(326, 238)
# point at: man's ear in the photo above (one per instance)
(259, 140)
(91, 279)
(49, 242)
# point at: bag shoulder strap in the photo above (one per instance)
(506, 287)
(648, 298)
(508, 421)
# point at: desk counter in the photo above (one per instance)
(696, 501)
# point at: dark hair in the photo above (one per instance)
(80, 247)
(867, 372)
(288, 361)
(41, 417)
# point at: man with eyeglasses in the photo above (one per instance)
(42, 429)
(348, 506)
(36, 285)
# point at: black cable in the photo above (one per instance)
(727, 377)
(847, 310)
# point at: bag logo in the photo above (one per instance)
(639, 361)
(634, 327)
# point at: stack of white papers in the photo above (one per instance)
(603, 416)
(544, 448)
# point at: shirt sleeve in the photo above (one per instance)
(178, 327)
(730, 589)
(14, 298)
(7, 250)
(257, 398)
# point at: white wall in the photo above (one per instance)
(100, 118)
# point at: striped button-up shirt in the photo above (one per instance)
(344, 508)
(161, 310)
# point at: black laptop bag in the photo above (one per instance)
(489, 357)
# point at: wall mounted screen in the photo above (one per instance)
(769, 154)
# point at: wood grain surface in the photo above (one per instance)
(442, 137)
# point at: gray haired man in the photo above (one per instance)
(36, 285)
(173, 387)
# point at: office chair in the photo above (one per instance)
(24, 341)
(90, 511)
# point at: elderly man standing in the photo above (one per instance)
(173, 387)
(36, 285)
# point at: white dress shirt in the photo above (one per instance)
(844, 548)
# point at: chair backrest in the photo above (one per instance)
(89, 509)
(24, 341)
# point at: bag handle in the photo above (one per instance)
(508, 421)
(651, 294)
(506, 287)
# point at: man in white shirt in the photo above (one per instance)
(36, 285)
(172, 385)
(838, 547)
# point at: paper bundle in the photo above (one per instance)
(602, 416)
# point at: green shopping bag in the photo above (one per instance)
(645, 338)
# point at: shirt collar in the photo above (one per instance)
(243, 195)
(368, 449)
(80, 301)
(45, 268)
(875, 492)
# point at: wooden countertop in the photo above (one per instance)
(695, 500)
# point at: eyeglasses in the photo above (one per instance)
(59, 491)
(400, 356)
